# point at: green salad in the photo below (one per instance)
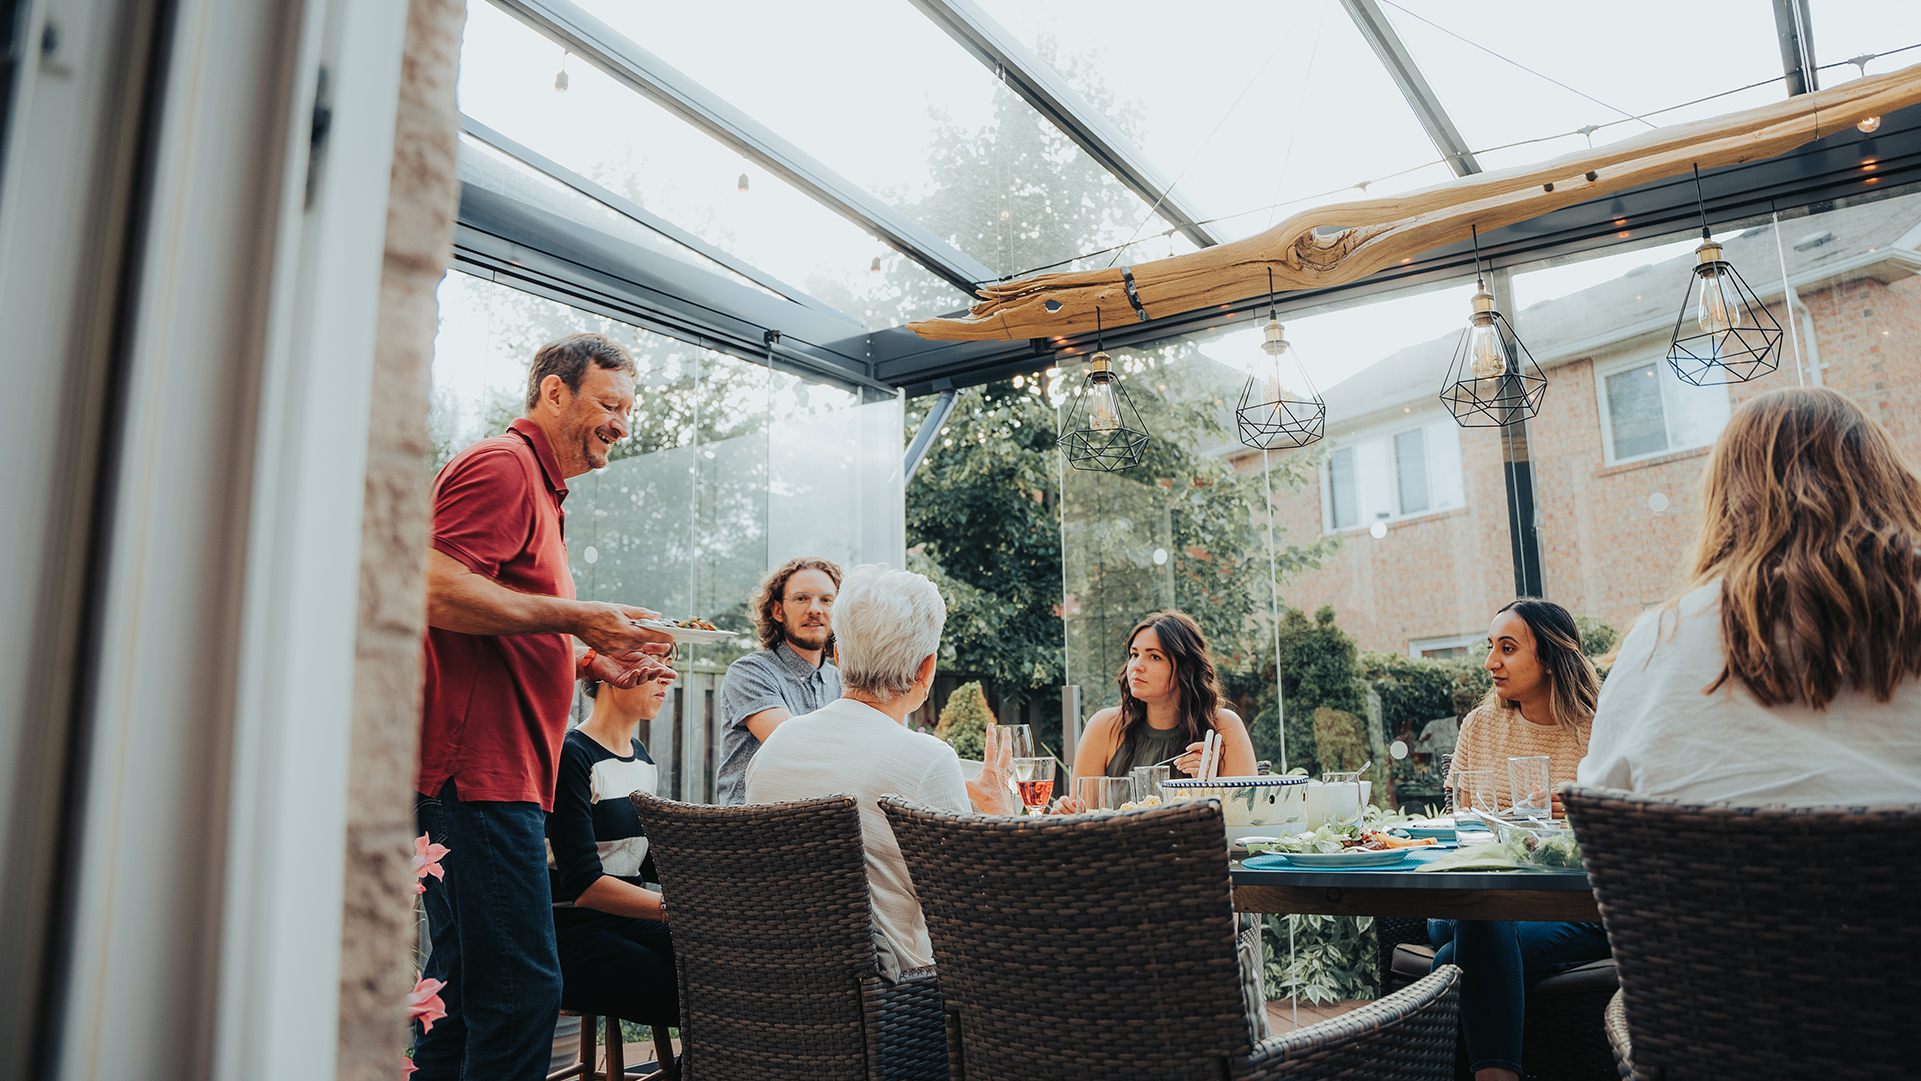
(1557, 850)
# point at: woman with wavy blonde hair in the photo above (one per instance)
(1787, 671)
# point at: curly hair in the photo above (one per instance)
(1186, 649)
(773, 589)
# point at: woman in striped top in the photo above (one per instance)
(1542, 702)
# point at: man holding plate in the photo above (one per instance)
(503, 649)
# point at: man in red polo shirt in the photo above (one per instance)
(504, 647)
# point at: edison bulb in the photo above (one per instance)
(1484, 346)
(1103, 412)
(1718, 308)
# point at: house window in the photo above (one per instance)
(1649, 411)
(1453, 645)
(1392, 474)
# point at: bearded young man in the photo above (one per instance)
(503, 649)
(794, 613)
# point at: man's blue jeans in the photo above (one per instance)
(1499, 961)
(492, 926)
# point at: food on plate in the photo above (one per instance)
(695, 625)
(1339, 838)
(1139, 804)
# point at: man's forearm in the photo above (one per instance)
(460, 600)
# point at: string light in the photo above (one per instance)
(560, 80)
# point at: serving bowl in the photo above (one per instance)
(1265, 805)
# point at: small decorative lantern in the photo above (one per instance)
(1270, 416)
(1493, 380)
(1103, 431)
(1734, 337)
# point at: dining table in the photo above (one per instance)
(1267, 884)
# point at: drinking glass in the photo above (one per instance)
(1474, 791)
(1148, 781)
(1343, 795)
(1102, 793)
(1034, 781)
(1530, 785)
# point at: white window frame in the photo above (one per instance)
(1384, 435)
(1451, 641)
(1669, 382)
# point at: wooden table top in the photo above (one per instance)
(1559, 896)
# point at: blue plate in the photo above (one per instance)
(1439, 833)
(1335, 860)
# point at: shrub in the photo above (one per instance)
(1334, 957)
(964, 720)
(1340, 740)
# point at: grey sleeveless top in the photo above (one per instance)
(1155, 745)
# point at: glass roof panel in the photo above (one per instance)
(1844, 29)
(1255, 105)
(1619, 60)
(633, 147)
(882, 96)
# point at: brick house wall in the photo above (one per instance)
(1605, 552)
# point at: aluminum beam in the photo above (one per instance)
(532, 250)
(568, 25)
(930, 429)
(1041, 87)
(638, 213)
(1794, 26)
(1386, 43)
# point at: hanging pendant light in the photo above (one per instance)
(1270, 416)
(1493, 380)
(1724, 333)
(1103, 431)
(743, 182)
(560, 79)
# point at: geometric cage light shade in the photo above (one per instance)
(1724, 333)
(1270, 416)
(1492, 381)
(1102, 430)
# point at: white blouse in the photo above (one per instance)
(1657, 734)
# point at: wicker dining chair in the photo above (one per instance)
(773, 940)
(1103, 946)
(1757, 942)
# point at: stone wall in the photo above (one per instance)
(377, 925)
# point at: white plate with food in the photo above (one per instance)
(691, 631)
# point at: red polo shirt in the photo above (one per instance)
(496, 705)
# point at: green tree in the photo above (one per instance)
(964, 720)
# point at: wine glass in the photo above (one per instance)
(1474, 791)
(1034, 782)
(1019, 738)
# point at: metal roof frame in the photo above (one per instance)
(574, 29)
(1042, 87)
(642, 215)
(503, 240)
(1381, 36)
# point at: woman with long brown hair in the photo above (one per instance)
(1785, 673)
(1169, 701)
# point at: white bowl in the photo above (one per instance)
(1265, 804)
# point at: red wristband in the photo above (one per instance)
(586, 659)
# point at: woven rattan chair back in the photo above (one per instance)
(772, 936)
(1081, 946)
(1758, 942)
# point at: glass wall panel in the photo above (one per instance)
(725, 456)
(615, 137)
(1620, 447)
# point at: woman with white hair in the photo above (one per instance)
(887, 626)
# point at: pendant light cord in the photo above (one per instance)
(1701, 200)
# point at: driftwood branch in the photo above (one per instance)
(1305, 251)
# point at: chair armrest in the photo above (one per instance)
(907, 1028)
(1407, 1036)
(1616, 1022)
